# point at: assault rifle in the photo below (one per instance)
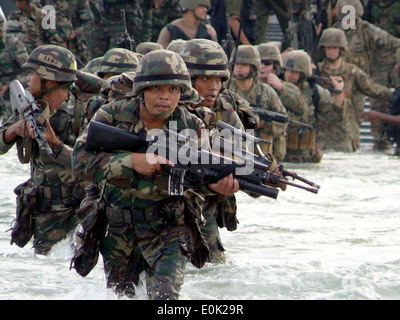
(126, 41)
(24, 104)
(194, 167)
(268, 116)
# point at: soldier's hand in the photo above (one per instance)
(148, 164)
(18, 129)
(225, 186)
(274, 81)
(373, 116)
(337, 82)
(50, 135)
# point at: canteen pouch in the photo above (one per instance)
(27, 200)
(88, 236)
(226, 212)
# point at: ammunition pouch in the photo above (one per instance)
(226, 212)
(27, 199)
(301, 139)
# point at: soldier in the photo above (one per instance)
(159, 232)
(109, 28)
(54, 193)
(207, 64)
(31, 18)
(290, 94)
(301, 145)
(75, 21)
(191, 25)
(261, 95)
(13, 54)
(345, 135)
(366, 41)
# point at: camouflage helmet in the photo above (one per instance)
(205, 57)
(52, 62)
(193, 4)
(93, 65)
(118, 60)
(333, 37)
(354, 3)
(270, 51)
(299, 61)
(175, 45)
(146, 47)
(163, 67)
(247, 54)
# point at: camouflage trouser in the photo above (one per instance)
(51, 227)
(210, 230)
(154, 247)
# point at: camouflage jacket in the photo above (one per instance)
(54, 170)
(125, 188)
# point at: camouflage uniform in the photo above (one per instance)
(34, 34)
(159, 235)
(345, 135)
(74, 16)
(207, 58)
(301, 146)
(109, 24)
(262, 95)
(13, 54)
(370, 47)
(290, 94)
(58, 191)
(169, 11)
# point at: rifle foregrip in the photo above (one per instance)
(257, 189)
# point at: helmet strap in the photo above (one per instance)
(44, 91)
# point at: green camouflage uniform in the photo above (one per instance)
(169, 11)
(34, 34)
(262, 95)
(345, 135)
(74, 15)
(109, 24)
(13, 54)
(59, 192)
(159, 235)
(372, 50)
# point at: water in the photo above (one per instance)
(340, 244)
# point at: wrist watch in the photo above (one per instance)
(337, 91)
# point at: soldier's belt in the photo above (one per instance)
(54, 192)
(132, 216)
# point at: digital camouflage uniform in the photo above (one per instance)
(109, 24)
(290, 94)
(58, 191)
(301, 142)
(74, 16)
(34, 34)
(158, 232)
(13, 54)
(207, 58)
(262, 95)
(371, 49)
(345, 135)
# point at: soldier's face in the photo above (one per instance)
(161, 99)
(34, 83)
(200, 12)
(292, 76)
(267, 67)
(21, 4)
(208, 87)
(242, 69)
(332, 53)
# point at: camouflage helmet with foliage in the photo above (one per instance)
(247, 54)
(299, 61)
(193, 4)
(164, 67)
(333, 37)
(356, 4)
(145, 47)
(269, 51)
(52, 62)
(117, 61)
(205, 57)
